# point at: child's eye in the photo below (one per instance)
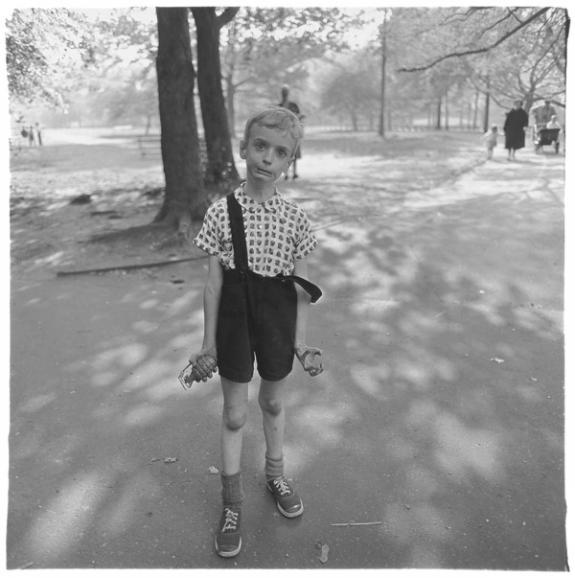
(282, 154)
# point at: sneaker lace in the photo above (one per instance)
(282, 487)
(231, 520)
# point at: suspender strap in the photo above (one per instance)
(241, 252)
(311, 288)
(238, 233)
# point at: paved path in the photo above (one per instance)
(437, 424)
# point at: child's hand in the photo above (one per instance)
(310, 358)
(201, 367)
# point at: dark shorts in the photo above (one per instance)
(259, 328)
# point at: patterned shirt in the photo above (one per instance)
(278, 233)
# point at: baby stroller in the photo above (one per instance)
(547, 137)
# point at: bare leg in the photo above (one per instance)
(273, 415)
(234, 417)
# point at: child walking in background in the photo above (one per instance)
(490, 139)
(255, 308)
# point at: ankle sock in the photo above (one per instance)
(274, 468)
(232, 489)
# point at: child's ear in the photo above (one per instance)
(243, 149)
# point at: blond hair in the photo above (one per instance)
(278, 118)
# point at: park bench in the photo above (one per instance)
(17, 144)
(150, 146)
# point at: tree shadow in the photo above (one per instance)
(439, 418)
(449, 380)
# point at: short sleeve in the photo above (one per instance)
(294, 108)
(306, 241)
(208, 239)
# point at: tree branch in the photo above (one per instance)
(476, 50)
(226, 16)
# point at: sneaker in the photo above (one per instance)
(287, 500)
(228, 540)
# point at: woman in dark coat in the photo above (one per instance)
(516, 122)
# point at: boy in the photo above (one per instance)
(250, 313)
(490, 138)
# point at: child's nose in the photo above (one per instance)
(268, 156)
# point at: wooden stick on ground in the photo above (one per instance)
(127, 267)
(343, 524)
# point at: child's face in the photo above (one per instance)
(268, 153)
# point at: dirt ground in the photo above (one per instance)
(435, 437)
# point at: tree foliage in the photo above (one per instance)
(45, 48)
(353, 89)
(508, 52)
(269, 47)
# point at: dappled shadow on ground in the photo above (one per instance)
(452, 419)
(439, 417)
(448, 379)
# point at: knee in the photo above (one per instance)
(235, 418)
(270, 406)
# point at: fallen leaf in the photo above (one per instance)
(324, 553)
(170, 460)
(213, 470)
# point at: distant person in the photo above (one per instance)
(490, 140)
(38, 130)
(516, 122)
(553, 123)
(31, 138)
(255, 308)
(293, 106)
(543, 114)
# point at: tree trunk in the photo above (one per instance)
(475, 109)
(230, 99)
(353, 116)
(229, 80)
(220, 167)
(185, 197)
(446, 111)
(438, 115)
(381, 128)
(486, 111)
